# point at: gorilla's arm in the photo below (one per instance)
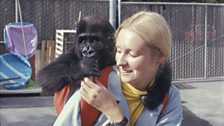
(63, 70)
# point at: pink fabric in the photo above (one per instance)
(13, 37)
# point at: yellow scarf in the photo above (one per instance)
(132, 95)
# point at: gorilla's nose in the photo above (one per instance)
(88, 52)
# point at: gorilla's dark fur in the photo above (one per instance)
(93, 50)
(160, 88)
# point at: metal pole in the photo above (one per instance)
(206, 42)
(16, 11)
(113, 14)
(119, 11)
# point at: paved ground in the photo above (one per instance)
(203, 105)
(205, 100)
(27, 111)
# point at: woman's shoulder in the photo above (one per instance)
(174, 94)
(174, 89)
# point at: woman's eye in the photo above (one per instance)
(118, 51)
(133, 54)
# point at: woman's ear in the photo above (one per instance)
(160, 58)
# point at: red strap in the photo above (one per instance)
(60, 98)
(90, 114)
(165, 102)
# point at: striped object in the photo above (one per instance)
(15, 71)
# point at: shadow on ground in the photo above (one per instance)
(190, 119)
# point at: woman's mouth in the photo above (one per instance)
(125, 71)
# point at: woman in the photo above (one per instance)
(139, 90)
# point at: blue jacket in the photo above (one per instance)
(171, 115)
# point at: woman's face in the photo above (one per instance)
(137, 62)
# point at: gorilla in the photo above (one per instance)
(92, 51)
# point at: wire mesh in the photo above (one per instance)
(193, 54)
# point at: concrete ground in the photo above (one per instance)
(27, 111)
(203, 105)
(205, 100)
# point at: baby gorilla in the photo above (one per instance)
(92, 51)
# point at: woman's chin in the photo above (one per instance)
(126, 79)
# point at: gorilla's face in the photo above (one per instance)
(94, 40)
(91, 44)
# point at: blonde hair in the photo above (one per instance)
(152, 28)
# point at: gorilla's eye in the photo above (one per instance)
(82, 41)
(94, 40)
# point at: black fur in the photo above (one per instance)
(157, 92)
(92, 51)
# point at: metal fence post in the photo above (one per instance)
(16, 10)
(113, 13)
(205, 58)
(119, 11)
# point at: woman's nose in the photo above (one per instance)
(121, 60)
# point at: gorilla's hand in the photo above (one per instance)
(84, 68)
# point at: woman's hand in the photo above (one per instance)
(94, 93)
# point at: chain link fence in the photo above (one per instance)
(198, 36)
(198, 33)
